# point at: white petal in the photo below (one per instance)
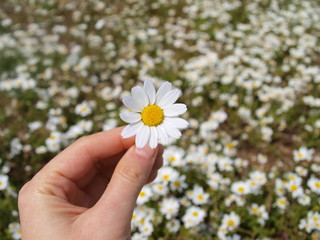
(132, 104)
(175, 110)
(169, 98)
(153, 142)
(130, 117)
(150, 90)
(140, 95)
(177, 122)
(171, 131)
(163, 136)
(166, 87)
(143, 136)
(131, 130)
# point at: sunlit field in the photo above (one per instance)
(248, 166)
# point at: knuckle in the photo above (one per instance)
(84, 143)
(24, 193)
(83, 140)
(131, 173)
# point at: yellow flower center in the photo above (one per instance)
(294, 188)
(142, 194)
(300, 155)
(230, 223)
(166, 177)
(152, 115)
(195, 214)
(317, 184)
(230, 145)
(177, 183)
(282, 202)
(63, 120)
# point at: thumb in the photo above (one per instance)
(118, 201)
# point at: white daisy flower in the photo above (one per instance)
(144, 195)
(230, 221)
(193, 216)
(314, 184)
(4, 179)
(169, 207)
(152, 115)
(83, 109)
(15, 230)
(240, 188)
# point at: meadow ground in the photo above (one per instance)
(248, 166)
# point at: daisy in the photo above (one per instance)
(304, 200)
(144, 195)
(146, 229)
(33, 126)
(240, 188)
(303, 153)
(231, 221)
(179, 184)
(173, 156)
(15, 146)
(15, 230)
(167, 174)
(4, 179)
(295, 189)
(160, 189)
(314, 184)
(199, 196)
(83, 109)
(173, 226)
(193, 216)
(153, 116)
(214, 180)
(169, 207)
(281, 203)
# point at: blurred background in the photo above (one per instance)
(248, 167)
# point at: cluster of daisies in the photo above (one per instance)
(256, 201)
(231, 87)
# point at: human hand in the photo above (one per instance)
(89, 190)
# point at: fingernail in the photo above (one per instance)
(146, 152)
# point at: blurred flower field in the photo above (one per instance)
(248, 166)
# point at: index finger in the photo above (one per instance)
(80, 157)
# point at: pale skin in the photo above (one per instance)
(89, 190)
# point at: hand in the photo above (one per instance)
(89, 190)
